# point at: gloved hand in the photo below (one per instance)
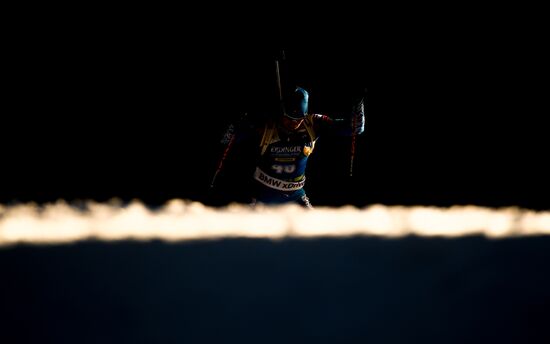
(358, 116)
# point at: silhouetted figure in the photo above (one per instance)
(281, 146)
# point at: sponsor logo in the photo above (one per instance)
(277, 183)
(282, 150)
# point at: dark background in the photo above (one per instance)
(452, 118)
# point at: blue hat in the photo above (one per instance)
(296, 104)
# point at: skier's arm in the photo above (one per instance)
(352, 124)
(236, 136)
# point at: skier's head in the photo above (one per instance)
(296, 104)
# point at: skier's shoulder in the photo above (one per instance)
(252, 125)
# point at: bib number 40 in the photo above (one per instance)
(280, 169)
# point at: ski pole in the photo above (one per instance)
(354, 122)
(220, 164)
